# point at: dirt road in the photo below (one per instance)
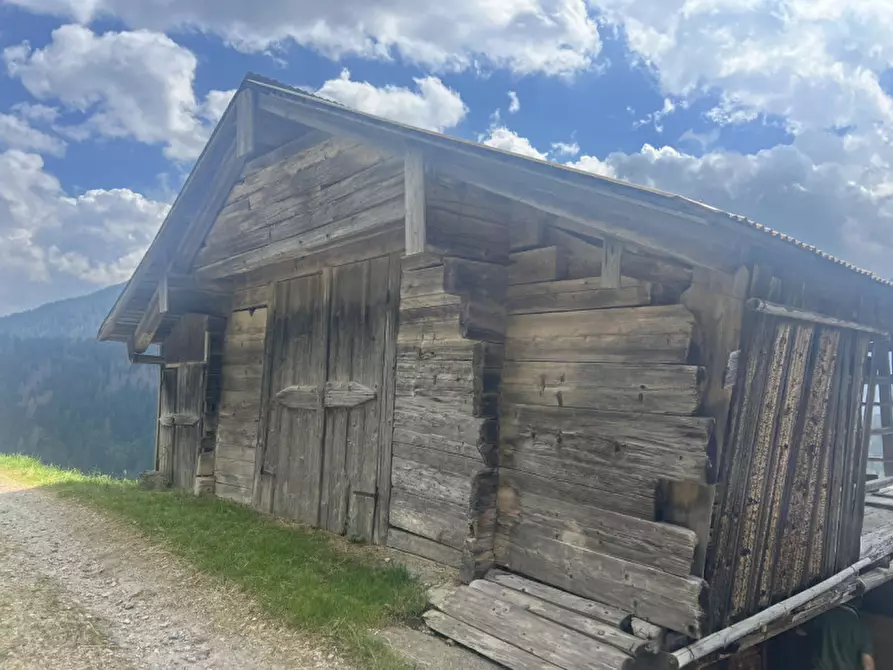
(79, 590)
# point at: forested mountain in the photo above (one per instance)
(70, 400)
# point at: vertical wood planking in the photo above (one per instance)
(414, 193)
(263, 476)
(769, 537)
(796, 515)
(187, 439)
(167, 405)
(767, 420)
(386, 428)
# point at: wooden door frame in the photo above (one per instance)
(387, 395)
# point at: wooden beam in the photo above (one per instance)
(244, 123)
(773, 309)
(613, 251)
(414, 181)
(153, 316)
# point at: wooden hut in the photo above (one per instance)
(629, 411)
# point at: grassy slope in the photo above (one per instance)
(303, 576)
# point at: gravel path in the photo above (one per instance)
(80, 590)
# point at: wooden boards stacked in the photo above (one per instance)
(599, 406)
(526, 625)
(311, 194)
(449, 355)
(241, 377)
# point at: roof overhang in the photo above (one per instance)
(638, 216)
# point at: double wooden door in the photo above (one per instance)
(331, 341)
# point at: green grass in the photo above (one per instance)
(307, 578)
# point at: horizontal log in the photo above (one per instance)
(234, 479)
(425, 281)
(516, 625)
(236, 432)
(239, 494)
(657, 389)
(593, 609)
(574, 295)
(485, 644)
(442, 522)
(251, 298)
(654, 348)
(656, 596)
(422, 546)
(331, 235)
(242, 377)
(632, 321)
(486, 354)
(427, 481)
(452, 234)
(234, 453)
(235, 467)
(442, 461)
(619, 493)
(537, 265)
(652, 446)
(659, 334)
(659, 545)
(598, 630)
(429, 424)
(467, 277)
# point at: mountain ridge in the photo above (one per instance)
(69, 399)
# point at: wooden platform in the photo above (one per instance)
(527, 625)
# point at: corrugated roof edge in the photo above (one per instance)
(736, 218)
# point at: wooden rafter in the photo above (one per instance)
(158, 308)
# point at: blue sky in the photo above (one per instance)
(777, 109)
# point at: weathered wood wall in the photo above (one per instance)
(314, 193)
(790, 513)
(241, 378)
(601, 396)
(449, 359)
(189, 396)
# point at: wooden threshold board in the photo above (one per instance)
(522, 624)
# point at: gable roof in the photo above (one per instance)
(560, 188)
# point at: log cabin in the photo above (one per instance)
(630, 420)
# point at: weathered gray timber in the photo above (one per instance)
(491, 361)
(242, 376)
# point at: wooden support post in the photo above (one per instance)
(414, 182)
(613, 253)
(244, 123)
(152, 318)
(885, 397)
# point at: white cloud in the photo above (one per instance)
(514, 103)
(526, 36)
(17, 133)
(52, 242)
(433, 106)
(501, 137)
(810, 189)
(135, 85)
(657, 117)
(565, 148)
